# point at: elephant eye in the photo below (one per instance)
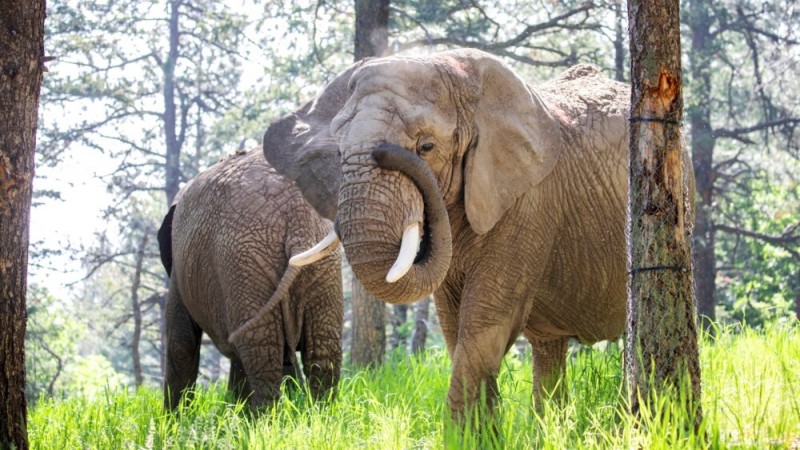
(426, 147)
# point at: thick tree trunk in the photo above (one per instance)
(372, 28)
(702, 141)
(21, 66)
(369, 328)
(420, 325)
(137, 309)
(662, 333)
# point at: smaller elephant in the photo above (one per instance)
(226, 244)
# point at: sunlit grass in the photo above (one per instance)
(751, 399)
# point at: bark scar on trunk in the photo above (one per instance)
(667, 91)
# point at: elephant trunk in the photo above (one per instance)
(377, 212)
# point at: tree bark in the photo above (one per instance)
(372, 28)
(662, 351)
(369, 329)
(703, 142)
(21, 67)
(173, 146)
(420, 325)
(137, 310)
(162, 330)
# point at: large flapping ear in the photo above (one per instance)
(300, 146)
(519, 142)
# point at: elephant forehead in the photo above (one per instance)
(408, 78)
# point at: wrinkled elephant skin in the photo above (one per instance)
(226, 243)
(520, 193)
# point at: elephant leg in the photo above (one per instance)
(321, 341)
(549, 369)
(237, 382)
(446, 299)
(261, 352)
(484, 337)
(183, 351)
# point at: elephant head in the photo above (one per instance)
(393, 145)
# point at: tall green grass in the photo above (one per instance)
(751, 399)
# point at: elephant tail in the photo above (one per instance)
(280, 295)
(165, 240)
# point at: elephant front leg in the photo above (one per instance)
(485, 335)
(183, 351)
(549, 369)
(447, 299)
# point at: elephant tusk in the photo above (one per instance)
(325, 247)
(408, 251)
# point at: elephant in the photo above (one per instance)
(447, 173)
(227, 244)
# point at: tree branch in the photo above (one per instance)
(785, 240)
(737, 133)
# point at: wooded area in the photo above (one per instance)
(163, 90)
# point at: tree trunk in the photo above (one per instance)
(21, 66)
(369, 328)
(173, 146)
(162, 330)
(619, 42)
(137, 309)
(662, 334)
(372, 28)
(797, 307)
(702, 141)
(399, 317)
(420, 325)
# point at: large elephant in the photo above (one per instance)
(226, 243)
(448, 173)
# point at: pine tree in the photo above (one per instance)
(662, 348)
(21, 68)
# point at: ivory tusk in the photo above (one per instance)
(408, 251)
(325, 247)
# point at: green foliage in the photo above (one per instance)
(758, 278)
(51, 339)
(751, 387)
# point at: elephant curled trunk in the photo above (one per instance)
(405, 282)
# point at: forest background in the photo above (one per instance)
(146, 94)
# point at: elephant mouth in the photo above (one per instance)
(424, 241)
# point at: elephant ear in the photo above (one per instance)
(518, 143)
(300, 146)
